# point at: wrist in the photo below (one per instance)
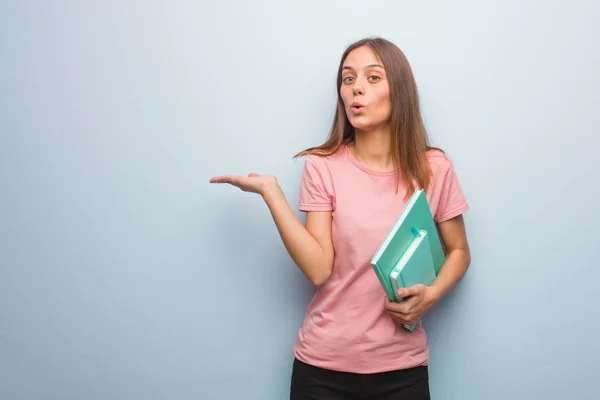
(270, 189)
(435, 293)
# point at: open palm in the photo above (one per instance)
(254, 183)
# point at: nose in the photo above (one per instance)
(358, 89)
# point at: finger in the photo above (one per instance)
(220, 179)
(410, 291)
(406, 292)
(401, 307)
(410, 306)
(390, 305)
(231, 179)
(388, 302)
(253, 175)
(405, 318)
(400, 315)
(401, 319)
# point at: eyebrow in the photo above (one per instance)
(368, 66)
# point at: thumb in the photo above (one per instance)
(409, 291)
(253, 175)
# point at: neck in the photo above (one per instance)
(373, 149)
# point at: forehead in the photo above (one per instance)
(362, 57)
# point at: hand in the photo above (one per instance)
(254, 183)
(417, 301)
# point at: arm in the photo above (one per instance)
(420, 298)
(309, 246)
(458, 257)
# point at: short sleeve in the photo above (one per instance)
(447, 195)
(316, 188)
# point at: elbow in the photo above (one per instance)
(466, 258)
(461, 257)
(318, 280)
(321, 275)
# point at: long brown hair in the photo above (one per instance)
(409, 141)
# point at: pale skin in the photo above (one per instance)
(310, 245)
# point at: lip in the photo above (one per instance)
(357, 107)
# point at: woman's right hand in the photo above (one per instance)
(254, 183)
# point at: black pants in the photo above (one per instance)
(313, 383)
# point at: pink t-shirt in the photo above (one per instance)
(346, 326)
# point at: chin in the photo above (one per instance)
(359, 123)
(366, 124)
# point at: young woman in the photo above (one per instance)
(353, 188)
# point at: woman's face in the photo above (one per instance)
(365, 90)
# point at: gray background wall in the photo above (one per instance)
(125, 275)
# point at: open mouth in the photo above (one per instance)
(356, 108)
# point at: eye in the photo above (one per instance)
(374, 78)
(347, 79)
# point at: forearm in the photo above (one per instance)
(303, 248)
(453, 270)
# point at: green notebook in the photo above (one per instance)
(415, 216)
(414, 267)
(416, 264)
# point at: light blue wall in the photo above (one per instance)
(125, 275)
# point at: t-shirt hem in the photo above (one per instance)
(373, 368)
(451, 214)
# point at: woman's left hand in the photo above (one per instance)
(417, 301)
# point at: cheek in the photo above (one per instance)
(382, 100)
(383, 104)
(346, 95)
(383, 97)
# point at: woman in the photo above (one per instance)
(354, 186)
